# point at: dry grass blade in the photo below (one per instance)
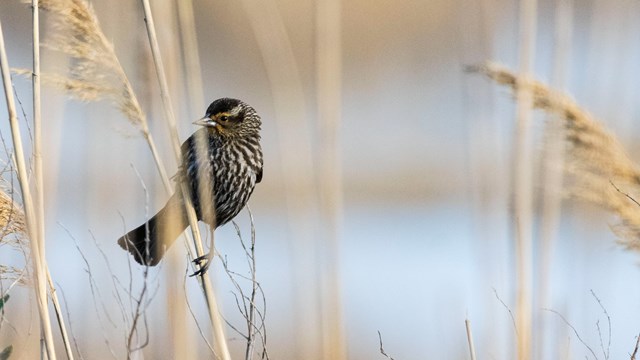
(596, 162)
(96, 72)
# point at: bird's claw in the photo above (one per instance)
(203, 262)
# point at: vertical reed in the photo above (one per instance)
(190, 56)
(36, 243)
(329, 98)
(39, 177)
(294, 141)
(553, 164)
(523, 174)
(212, 305)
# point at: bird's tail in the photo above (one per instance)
(149, 241)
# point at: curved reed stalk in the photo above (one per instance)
(98, 75)
(210, 298)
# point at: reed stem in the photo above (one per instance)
(30, 211)
(523, 197)
(212, 306)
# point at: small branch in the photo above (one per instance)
(574, 331)
(382, 347)
(606, 351)
(95, 294)
(513, 320)
(635, 349)
(623, 193)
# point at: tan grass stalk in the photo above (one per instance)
(554, 158)
(39, 262)
(189, 76)
(599, 169)
(523, 189)
(39, 181)
(328, 93)
(210, 298)
(472, 348)
(294, 141)
(97, 74)
(190, 56)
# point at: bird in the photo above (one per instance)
(221, 163)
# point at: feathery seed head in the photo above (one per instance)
(599, 169)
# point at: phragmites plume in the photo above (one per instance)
(12, 233)
(12, 219)
(598, 167)
(96, 72)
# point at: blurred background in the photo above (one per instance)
(385, 203)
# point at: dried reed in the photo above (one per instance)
(294, 141)
(38, 172)
(212, 305)
(328, 95)
(522, 184)
(599, 169)
(96, 74)
(38, 260)
(13, 233)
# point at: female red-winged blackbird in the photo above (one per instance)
(221, 164)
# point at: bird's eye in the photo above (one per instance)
(224, 118)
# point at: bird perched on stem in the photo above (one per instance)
(221, 164)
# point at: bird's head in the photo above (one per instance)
(231, 118)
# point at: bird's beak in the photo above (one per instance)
(205, 121)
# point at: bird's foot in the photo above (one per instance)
(203, 262)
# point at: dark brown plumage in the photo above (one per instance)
(221, 164)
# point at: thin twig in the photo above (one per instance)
(382, 347)
(635, 349)
(73, 337)
(605, 351)
(58, 311)
(95, 293)
(624, 193)
(513, 320)
(246, 304)
(574, 331)
(139, 310)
